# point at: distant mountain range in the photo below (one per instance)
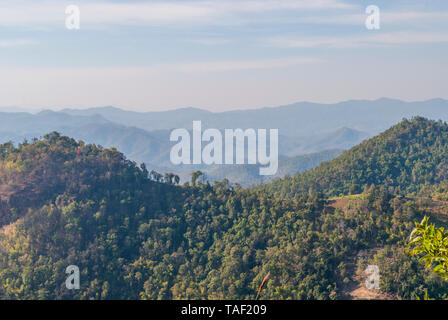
(305, 128)
(298, 119)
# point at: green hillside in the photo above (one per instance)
(404, 159)
(135, 234)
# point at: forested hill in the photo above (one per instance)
(59, 169)
(137, 235)
(406, 157)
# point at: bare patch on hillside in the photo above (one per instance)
(360, 292)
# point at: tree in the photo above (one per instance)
(431, 244)
(354, 189)
(195, 176)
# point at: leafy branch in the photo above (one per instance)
(431, 244)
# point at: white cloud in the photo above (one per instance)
(410, 38)
(274, 5)
(98, 13)
(209, 41)
(27, 13)
(101, 13)
(16, 43)
(370, 39)
(414, 17)
(389, 18)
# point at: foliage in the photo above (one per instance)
(137, 234)
(431, 244)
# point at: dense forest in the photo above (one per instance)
(137, 234)
(405, 158)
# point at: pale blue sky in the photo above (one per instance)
(219, 54)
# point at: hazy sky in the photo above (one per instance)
(220, 54)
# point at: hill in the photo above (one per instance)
(136, 234)
(405, 158)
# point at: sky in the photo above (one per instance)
(219, 54)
